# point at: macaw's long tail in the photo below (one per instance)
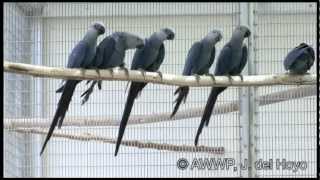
(135, 88)
(88, 92)
(60, 90)
(63, 105)
(183, 92)
(208, 110)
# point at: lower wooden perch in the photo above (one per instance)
(138, 144)
(276, 97)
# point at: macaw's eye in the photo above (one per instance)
(99, 28)
(170, 36)
(247, 34)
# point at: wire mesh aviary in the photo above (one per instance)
(156, 70)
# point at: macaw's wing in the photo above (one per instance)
(190, 66)
(158, 61)
(223, 66)
(104, 52)
(78, 55)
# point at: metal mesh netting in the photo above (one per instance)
(44, 34)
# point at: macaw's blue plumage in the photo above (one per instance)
(78, 51)
(300, 59)
(148, 58)
(199, 60)
(111, 53)
(231, 61)
(82, 56)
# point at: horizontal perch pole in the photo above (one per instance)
(271, 98)
(138, 144)
(153, 77)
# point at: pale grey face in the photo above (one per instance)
(99, 27)
(169, 33)
(132, 41)
(216, 35)
(245, 30)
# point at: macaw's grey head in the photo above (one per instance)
(243, 30)
(308, 49)
(169, 32)
(165, 34)
(131, 40)
(303, 44)
(214, 36)
(99, 27)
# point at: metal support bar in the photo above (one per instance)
(244, 104)
(253, 102)
(247, 98)
(38, 90)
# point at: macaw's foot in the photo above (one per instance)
(212, 77)
(98, 71)
(197, 77)
(241, 77)
(143, 72)
(125, 70)
(111, 71)
(229, 77)
(160, 74)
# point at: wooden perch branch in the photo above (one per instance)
(138, 144)
(152, 77)
(271, 98)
